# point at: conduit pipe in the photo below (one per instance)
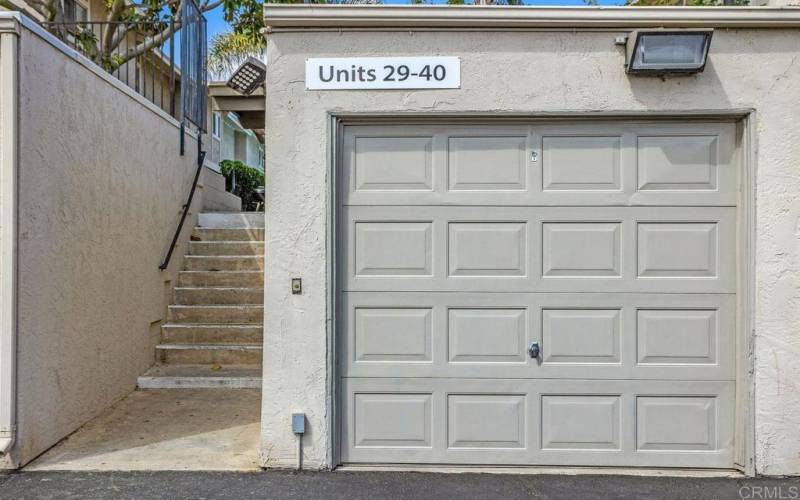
(9, 101)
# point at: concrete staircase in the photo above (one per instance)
(214, 329)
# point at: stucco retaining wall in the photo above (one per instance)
(101, 185)
(755, 71)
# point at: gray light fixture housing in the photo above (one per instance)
(248, 76)
(662, 51)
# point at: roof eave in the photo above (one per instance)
(309, 16)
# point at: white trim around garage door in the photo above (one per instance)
(746, 203)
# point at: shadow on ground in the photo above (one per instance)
(165, 429)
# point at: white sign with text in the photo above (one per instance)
(365, 73)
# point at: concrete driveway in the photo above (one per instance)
(380, 486)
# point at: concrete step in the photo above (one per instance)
(254, 279)
(181, 333)
(224, 263)
(198, 354)
(228, 234)
(201, 376)
(216, 314)
(226, 248)
(218, 295)
(218, 220)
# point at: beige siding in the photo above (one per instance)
(101, 184)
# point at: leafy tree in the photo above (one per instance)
(246, 17)
(228, 50)
(109, 48)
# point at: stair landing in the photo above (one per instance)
(201, 376)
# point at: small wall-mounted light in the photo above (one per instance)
(248, 77)
(661, 52)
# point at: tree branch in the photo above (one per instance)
(42, 7)
(109, 44)
(116, 9)
(121, 34)
(113, 15)
(152, 42)
(211, 5)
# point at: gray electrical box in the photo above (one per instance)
(299, 423)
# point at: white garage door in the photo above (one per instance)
(612, 246)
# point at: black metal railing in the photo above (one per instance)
(139, 54)
(201, 156)
(194, 91)
(194, 80)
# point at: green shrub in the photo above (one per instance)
(242, 181)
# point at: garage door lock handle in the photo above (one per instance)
(534, 350)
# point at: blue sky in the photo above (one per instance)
(216, 24)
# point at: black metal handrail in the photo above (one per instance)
(140, 54)
(201, 156)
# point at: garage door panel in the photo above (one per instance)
(583, 335)
(582, 163)
(393, 334)
(581, 422)
(677, 249)
(680, 336)
(599, 164)
(468, 415)
(538, 249)
(490, 249)
(601, 336)
(392, 420)
(493, 163)
(676, 422)
(492, 335)
(506, 421)
(677, 162)
(392, 164)
(581, 249)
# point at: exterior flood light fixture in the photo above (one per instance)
(661, 52)
(248, 76)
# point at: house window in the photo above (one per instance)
(216, 121)
(75, 12)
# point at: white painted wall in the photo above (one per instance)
(529, 73)
(101, 185)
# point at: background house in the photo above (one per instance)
(230, 140)
(236, 126)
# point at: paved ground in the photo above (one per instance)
(166, 429)
(381, 486)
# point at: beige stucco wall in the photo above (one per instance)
(521, 72)
(101, 185)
